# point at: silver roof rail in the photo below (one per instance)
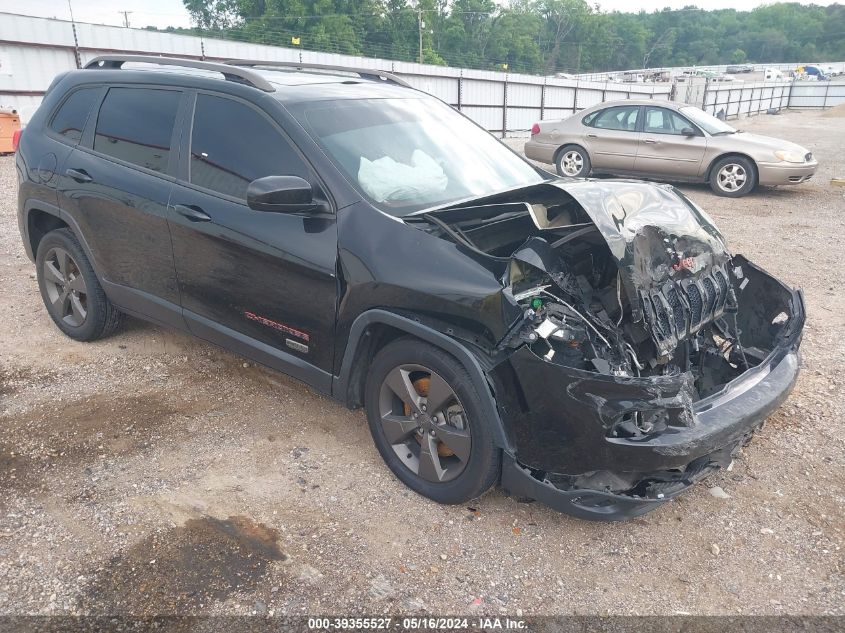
(370, 74)
(229, 72)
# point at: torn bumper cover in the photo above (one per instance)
(562, 416)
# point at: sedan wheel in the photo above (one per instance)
(424, 422)
(573, 162)
(732, 177)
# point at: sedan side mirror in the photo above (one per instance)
(282, 194)
(688, 131)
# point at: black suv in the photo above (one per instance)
(590, 344)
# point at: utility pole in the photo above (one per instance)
(75, 37)
(421, 26)
(125, 17)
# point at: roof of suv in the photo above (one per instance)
(285, 81)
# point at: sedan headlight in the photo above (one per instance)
(790, 156)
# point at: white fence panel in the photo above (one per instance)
(524, 94)
(483, 92)
(560, 97)
(488, 118)
(31, 69)
(520, 120)
(445, 88)
(835, 95)
(23, 28)
(558, 113)
(587, 97)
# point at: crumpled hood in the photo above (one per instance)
(654, 232)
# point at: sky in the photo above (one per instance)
(162, 13)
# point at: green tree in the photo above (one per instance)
(535, 36)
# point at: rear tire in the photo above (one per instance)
(445, 453)
(733, 177)
(573, 161)
(71, 292)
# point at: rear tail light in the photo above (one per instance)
(535, 129)
(16, 140)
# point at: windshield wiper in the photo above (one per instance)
(724, 132)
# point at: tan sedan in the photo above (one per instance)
(667, 141)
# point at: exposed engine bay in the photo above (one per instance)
(644, 288)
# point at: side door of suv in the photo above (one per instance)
(116, 185)
(664, 148)
(612, 138)
(262, 283)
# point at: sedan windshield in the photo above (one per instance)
(409, 154)
(707, 122)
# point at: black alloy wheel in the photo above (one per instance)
(71, 292)
(424, 422)
(65, 287)
(427, 421)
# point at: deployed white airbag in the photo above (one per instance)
(384, 179)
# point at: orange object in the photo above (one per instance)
(10, 127)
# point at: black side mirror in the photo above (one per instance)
(688, 131)
(281, 194)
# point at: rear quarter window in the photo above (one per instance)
(69, 120)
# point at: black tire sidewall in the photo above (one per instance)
(97, 307)
(484, 464)
(586, 166)
(749, 185)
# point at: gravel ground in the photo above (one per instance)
(151, 473)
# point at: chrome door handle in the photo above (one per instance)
(592, 135)
(649, 140)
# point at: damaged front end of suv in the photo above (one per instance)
(642, 354)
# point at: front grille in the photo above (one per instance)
(663, 319)
(710, 293)
(722, 284)
(695, 303)
(679, 309)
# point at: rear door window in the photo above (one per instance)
(233, 144)
(70, 118)
(136, 125)
(621, 118)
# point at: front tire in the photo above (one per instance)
(70, 290)
(573, 161)
(733, 177)
(425, 418)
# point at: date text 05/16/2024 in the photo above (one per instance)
(415, 623)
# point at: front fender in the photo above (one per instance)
(340, 386)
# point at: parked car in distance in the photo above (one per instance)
(589, 344)
(773, 74)
(667, 141)
(737, 69)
